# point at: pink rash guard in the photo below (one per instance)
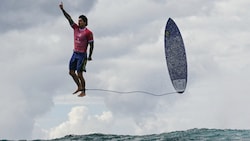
(82, 37)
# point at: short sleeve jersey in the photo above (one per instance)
(82, 37)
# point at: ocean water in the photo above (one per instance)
(188, 135)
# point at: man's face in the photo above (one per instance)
(81, 23)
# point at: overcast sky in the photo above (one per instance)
(36, 44)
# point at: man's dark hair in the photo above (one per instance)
(84, 18)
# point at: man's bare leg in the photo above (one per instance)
(82, 81)
(76, 80)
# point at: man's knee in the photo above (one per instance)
(79, 74)
(72, 73)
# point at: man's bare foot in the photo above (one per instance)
(78, 90)
(82, 94)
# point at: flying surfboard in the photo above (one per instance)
(175, 56)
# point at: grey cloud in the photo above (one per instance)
(19, 15)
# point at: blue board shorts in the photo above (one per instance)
(78, 62)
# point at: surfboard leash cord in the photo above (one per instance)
(130, 92)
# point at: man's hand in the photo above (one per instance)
(89, 58)
(61, 5)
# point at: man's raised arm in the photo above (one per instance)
(67, 16)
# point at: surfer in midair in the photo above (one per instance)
(82, 38)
